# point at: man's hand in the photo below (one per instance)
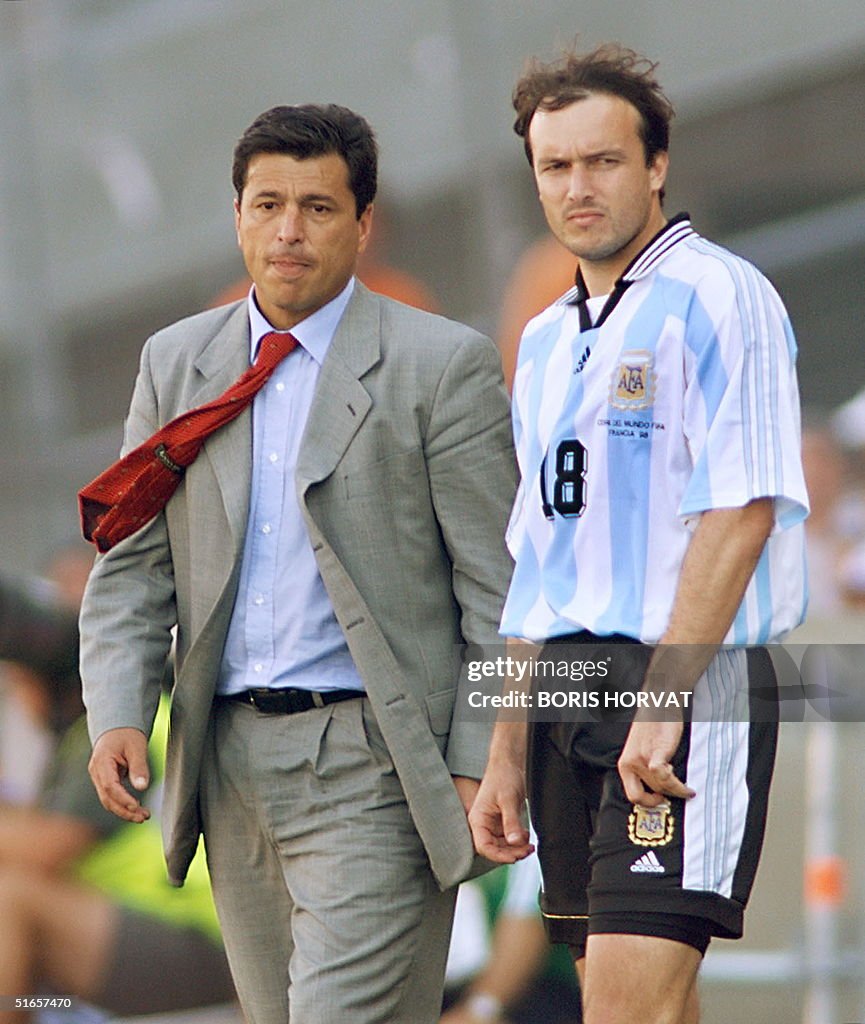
(496, 817)
(645, 763)
(467, 790)
(117, 755)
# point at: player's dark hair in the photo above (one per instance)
(610, 69)
(313, 130)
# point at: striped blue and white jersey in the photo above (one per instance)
(679, 398)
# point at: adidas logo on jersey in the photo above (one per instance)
(648, 864)
(584, 358)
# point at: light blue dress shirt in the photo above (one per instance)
(283, 630)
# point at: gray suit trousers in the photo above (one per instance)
(328, 907)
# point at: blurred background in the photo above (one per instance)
(117, 125)
(119, 118)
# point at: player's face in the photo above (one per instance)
(299, 234)
(600, 199)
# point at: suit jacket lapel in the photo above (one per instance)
(229, 450)
(339, 406)
(341, 403)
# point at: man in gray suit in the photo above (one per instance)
(322, 560)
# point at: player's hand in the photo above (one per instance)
(121, 754)
(645, 766)
(496, 816)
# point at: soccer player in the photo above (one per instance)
(657, 427)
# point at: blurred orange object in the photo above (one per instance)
(545, 271)
(826, 881)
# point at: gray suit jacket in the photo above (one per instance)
(405, 479)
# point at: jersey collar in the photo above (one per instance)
(672, 234)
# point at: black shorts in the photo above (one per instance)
(683, 871)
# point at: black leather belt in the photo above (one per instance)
(289, 701)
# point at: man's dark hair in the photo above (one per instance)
(610, 69)
(308, 131)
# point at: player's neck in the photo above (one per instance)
(600, 276)
(597, 278)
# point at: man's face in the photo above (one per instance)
(299, 233)
(600, 199)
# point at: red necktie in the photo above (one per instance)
(132, 491)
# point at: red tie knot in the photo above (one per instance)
(274, 347)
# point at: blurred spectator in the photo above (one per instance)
(847, 426)
(85, 907)
(545, 271)
(848, 422)
(824, 466)
(373, 269)
(67, 568)
(25, 742)
(25, 746)
(852, 578)
(501, 968)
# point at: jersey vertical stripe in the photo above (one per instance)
(716, 770)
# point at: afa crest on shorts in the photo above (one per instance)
(650, 826)
(632, 385)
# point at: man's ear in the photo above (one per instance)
(237, 218)
(364, 224)
(658, 170)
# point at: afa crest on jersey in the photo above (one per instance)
(632, 385)
(650, 826)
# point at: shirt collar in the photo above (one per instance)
(314, 333)
(672, 234)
